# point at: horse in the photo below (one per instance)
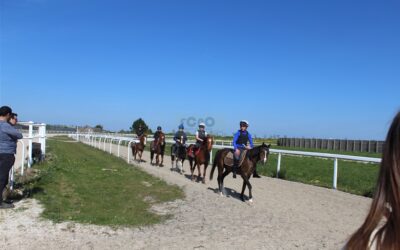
(138, 148)
(158, 148)
(253, 156)
(180, 156)
(201, 157)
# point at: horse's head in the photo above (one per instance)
(209, 142)
(143, 139)
(260, 153)
(264, 152)
(162, 139)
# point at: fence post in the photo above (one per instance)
(30, 135)
(278, 167)
(42, 139)
(335, 173)
(23, 156)
(119, 144)
(11, 176)
(129, 155)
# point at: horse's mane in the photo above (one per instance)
(254, 152)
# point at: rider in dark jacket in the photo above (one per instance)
(140, 131)
(180, 138)
(241, 142)
(157, 133)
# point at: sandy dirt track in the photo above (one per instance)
(284, 215)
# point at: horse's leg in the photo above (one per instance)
(219, 179)
(162, 160)
(198, 170)
(151, 157)
(243, 189)
(246, 179)
(204, 173)
(224, 174)
(190, 165)
(182, 166)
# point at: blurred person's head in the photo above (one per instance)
(13, 119)
(382, 225)
(5, 113)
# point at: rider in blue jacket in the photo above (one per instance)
(241, 142)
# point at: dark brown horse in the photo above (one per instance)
(255, 155)
(201, 157)
(178, 159)
(138, 148)
(158, 148)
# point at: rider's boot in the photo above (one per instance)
(235, 167)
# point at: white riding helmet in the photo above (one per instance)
(202, 125)
(244, 122)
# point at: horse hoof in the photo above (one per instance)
(221, 194)
(251, 200)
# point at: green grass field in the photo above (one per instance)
(82, 184)
(353, 177)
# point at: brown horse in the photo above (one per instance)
(255, 155)
(201, 157)
(158, 148)
(138, 148)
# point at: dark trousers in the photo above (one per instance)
(6, 163)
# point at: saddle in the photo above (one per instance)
(229, 158)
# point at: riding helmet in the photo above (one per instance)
(159, 128)
(244, 123)
(181, 126)
(202, 125)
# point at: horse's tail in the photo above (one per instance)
(215, 163)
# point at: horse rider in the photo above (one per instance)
(180, 138)
(140, 131)
(201, 136)
(157, 134)
(240, 143)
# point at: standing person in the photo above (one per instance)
(381, 228)
(240, 143)
(13, 119)
(8, 146)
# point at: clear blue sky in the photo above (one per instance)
(294, 68)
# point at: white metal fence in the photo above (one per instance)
(36, 131)
(99, 141)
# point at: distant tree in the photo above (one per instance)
(137, 123)
(99, 127)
